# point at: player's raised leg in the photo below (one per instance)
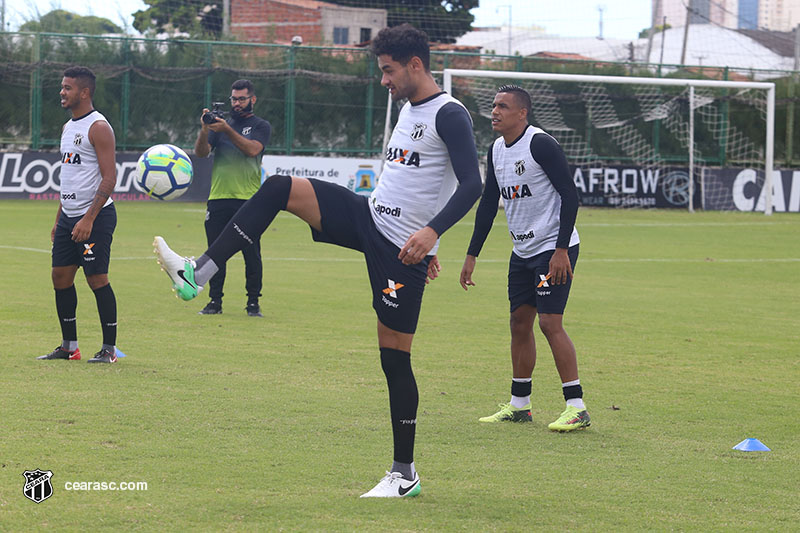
(278, 193)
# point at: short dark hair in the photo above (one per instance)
(84, 76)
(521, 95)
(402, 43)
(238, 85)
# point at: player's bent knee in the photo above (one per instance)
(276, 188)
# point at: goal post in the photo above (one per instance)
(705, 122)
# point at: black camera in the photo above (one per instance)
(215, 113)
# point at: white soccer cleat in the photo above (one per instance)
(179, 269)
(394, 486)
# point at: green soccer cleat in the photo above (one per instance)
(571, 419)
(509, 413)
(179, 269)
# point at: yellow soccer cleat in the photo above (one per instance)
(571, 419)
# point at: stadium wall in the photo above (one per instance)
(35, 176)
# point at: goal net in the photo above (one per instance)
(644, 142)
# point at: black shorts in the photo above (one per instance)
(93, 254)
(396, 288)
(527, 283)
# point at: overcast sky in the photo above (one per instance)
(622, 19)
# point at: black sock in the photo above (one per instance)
(66, 305)
(572, 391)
(521, 389)
(251, 220)
(403, 401)
(107, 309)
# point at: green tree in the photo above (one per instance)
(61, 21)
(442, 20)
(195, 17)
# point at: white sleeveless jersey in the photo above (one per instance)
(80, 173)
(532, 204)
(417, 178)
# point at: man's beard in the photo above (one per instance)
(244, 111)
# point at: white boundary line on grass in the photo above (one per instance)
(359, 259)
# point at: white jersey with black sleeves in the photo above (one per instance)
(80, 171)
(418, 177)
(532, 204)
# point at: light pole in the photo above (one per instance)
(600, 9)
(509, 25)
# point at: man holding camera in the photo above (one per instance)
(238, 143)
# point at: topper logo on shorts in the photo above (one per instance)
(513, 192)
(88, 248)
(393, 287)
(544, 279)
(404, 157)
(391, 290)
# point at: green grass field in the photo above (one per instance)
(689, 324)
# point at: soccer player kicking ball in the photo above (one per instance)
(528, 168)
(430, 155)
(86, 216)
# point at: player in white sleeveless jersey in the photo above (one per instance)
(527, 168)
(430, 180)
(86, 216)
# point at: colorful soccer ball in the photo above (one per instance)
(164, 171)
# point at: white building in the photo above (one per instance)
(778, 15)
(775, 15)
(709, 45)
(530, 41)
(719, 12)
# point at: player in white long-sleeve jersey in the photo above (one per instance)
(527, 168)
(86, 216)
(430, 180)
